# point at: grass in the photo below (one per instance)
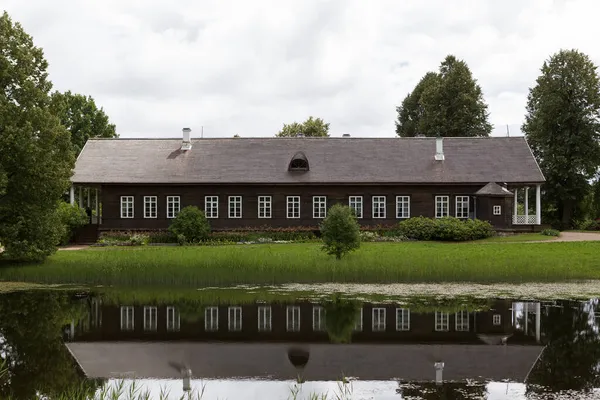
(307, 263)
(524, 237)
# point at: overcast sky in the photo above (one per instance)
(246, 67)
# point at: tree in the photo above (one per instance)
(448, 103)
(340, 231)
(562, 126)
(37, 159)
(310, 128)
(190, 225)
(80, 115)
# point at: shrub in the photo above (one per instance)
(340, 231)
(72, 217)
(139, 239)
(550, 232)
(192, 224)
(445, 229)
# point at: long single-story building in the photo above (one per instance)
(141, 184)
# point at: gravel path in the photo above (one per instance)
(577, 237)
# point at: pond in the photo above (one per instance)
(276, 344)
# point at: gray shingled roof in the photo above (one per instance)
(493, 189)
(332, 160)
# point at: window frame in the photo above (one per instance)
(151, 201)
(234, 327)
(319, 321)
(462, 325)
(295, 311)
(234, 200)
(443, 325)
(150, 321)
(497, 319)
(128, 318)
(403, 200)
(173, 319)
(319, 207)
(497, 210)
(171, 202)
(358, 324)
(402, 319)
(127, 200)
(214, 319)
(442, 199)
(352, 199)
(267, 205)
(292, 200)
(208, 211)
(377, 199)
(461, 199)
(378, 310)
(267, 323)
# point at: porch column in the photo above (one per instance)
(97, 207)
(526, 204)
(526, 313)
(72, 195)
(538, 204)
(538, 313)
(80, 197)
(515, 203)
(89, 194)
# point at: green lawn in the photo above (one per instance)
(289, 263)
(523, 237)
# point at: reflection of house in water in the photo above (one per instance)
(252, 340)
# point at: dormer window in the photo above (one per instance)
(298, 163)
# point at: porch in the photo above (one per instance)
(89, 199)
(523, 216)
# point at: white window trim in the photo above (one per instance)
(126, 198)
(358, 325)
(150, 200)
(350, 201)
(460, 327)
(287, 206)
(294, 310)
(267, 325)
(377, 310)
(176, 319)
(234, 327)
(317, 202)
(497, 319)
(232, 200)
(405, 325)
(208, 312)
(497, 210)
(403, 200)
(373, 200)
(442, 327)
(444, 199)
(174, 200)
(319, 319)
(268, 206)
(456, 208)
(210, 200)
(126, 327)
(153, 320)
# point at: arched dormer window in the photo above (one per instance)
(298, 163)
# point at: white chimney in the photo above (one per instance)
(439, 149)
(186, 144)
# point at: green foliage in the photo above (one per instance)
(445, 229)
(340, 318)
(71, 217)
(447, 103)
(192, 224)
(550, 232)
(82, 118)
(340, 231)
(36, 160)
(390, 236)
(312, 127)
(562, 126)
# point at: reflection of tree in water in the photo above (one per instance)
(32, 349)
(572, 354)
(340, 318)
(446, 391)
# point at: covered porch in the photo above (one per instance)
(524, 215)
(87, 197)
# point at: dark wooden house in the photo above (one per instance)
(141, 184)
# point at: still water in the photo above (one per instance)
(228, 344)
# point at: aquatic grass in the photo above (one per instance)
(306, 263)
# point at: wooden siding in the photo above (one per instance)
(422, 203)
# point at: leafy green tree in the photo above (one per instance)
(37, 159)
(340, 231)
(562, 126)
(190, 225)
(448, 103)
(82, 118)
(312, 127)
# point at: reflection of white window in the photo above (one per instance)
(173, 320)
(462, 321)
(356, 203)
(462, 207)
(292, 318)
(173, 206)
(497, 319)
(211, 206)
(402, 319)
(234, 318)
(211, 319)
(441, 206)
(497, 210)
(264, 206)
(402, 206)
(318, 318)
(442, 321)
(264, 319)
(150, 318)
(378, 320)
(127, 318)
(358, 325)
(378, 206)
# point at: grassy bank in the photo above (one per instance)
(307, 263)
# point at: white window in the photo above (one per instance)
(173, 320)
(442, 321)
(149, 206)
(358, 325)
(402, 319)
(264, 319)
(497, 210)
(264, 206)
(378, 320)
(318, 318)
(441, 206)
(402, 206)
(293, 206)
(497, 319)
(378, 206)
(235, 206)
(462, 206)
(211, 319)
(462, 321)
(126, 206)
(150, 318)
(127, 321)
(356, 203)
(211, 206)
(292, 318)
(234, 319)
(173, 206)
(319, 206)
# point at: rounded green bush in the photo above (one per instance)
(340, 231)
(190, 225)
